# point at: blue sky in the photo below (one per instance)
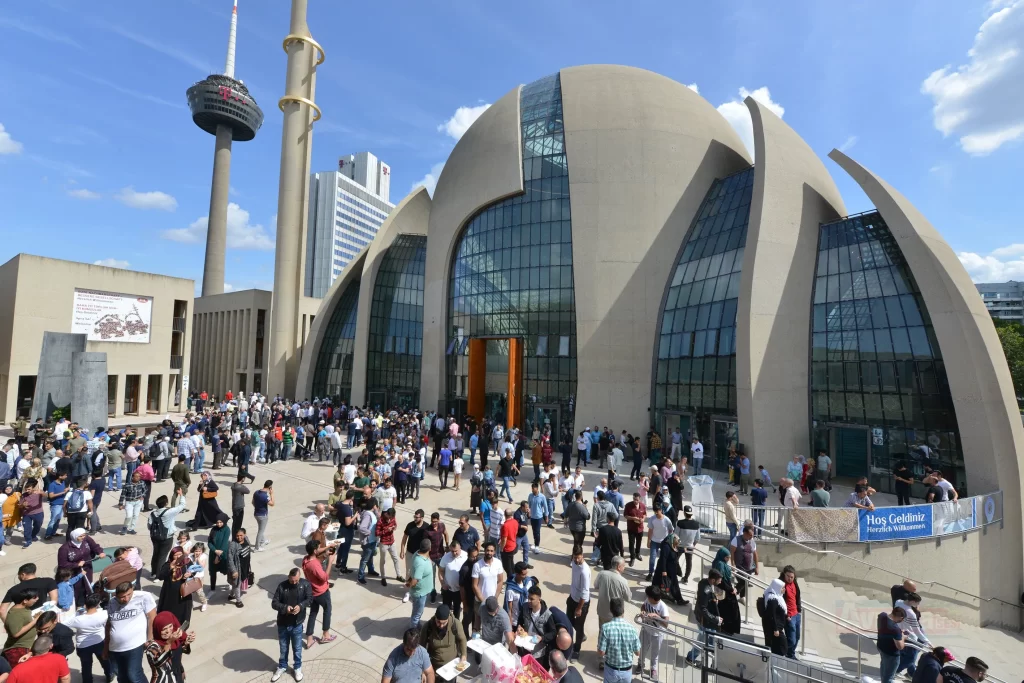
(99, 160)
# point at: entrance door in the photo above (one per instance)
(684, 421)
(851, 448)
(131, 394)
(153, 393)
(545, 417)
(727, 435)
(26, 394)
(378, 400)
(404, 400)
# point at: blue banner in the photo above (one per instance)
(895, 523)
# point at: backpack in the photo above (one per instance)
(154, 450)
(157, 530)
(76, 500)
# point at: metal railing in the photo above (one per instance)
(687, 655)
(807, 608)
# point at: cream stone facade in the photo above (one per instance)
(39, 297)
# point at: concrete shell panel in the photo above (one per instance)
(793, 194)
(315, 338)
(991, 433)
(89, 389)
(410, 217)
(642, 152)
(485, 166)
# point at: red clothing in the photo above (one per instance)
(386, 530)
(638, 509)
(510, 528)
(146, 472)
(315, 574)
(204, 396)
(790, 594)
(48, 667)
(228, 396)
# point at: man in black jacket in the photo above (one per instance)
(63, 636)
(291, 599)
(706, 613)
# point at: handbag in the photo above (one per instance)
(190, 586)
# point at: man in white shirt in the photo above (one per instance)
(577, 605)
(948, 492)
(697, 455)
(451, 564)
(130, 626)
(313, 521)
(488, 574)
(582, 445)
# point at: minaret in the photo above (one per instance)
(300, 112)
(223, 107)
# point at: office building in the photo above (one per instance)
(1004, 300)
(346, 208)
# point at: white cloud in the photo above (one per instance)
(429, 181)
(848, 144)
(8, 145)
(738, 116)
(146, 200)
(694, 88)
(461, 120)
(111, 263)
(1004, 263)
(82, 193)
(982, 101)
(228, 287)
(241, 233)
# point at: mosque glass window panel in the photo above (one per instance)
(332, 375)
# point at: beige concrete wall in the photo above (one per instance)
(224, 343)
(8, 386)
(793, 194)
(642, 152)
(485, 166)
(410, 217)
(43, 296)
(315, 338)
(986, 410)
(951, 563)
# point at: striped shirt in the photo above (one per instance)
(619, 642)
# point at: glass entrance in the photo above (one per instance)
(544, 418)
(684, 421)
(851, 449)
(378, 400)
(727, 435)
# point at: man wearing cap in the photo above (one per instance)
(517, 590)
(443, 640)
(420, 582)
(611, 585)
(688, 531)
(495, 626)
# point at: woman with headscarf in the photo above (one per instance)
(77, 554)
(666, 572)
(174, 573)
(219, 542)
(729, 608)
(772, 608)
(207, 510)
(164, 651)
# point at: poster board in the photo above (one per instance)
(111, 316)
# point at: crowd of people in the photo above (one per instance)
(477, 576)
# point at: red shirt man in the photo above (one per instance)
(509, 531)
(315, 574)
(48, 668)
(228, 396)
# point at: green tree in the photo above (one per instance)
(1011, 336)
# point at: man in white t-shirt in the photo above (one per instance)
(130, 626)
(677, 444)
(488, 574)
(948, 492)
(697, 455)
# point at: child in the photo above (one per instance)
(457, 464)
(199, 560)
(655, 615)
(766, 478)
(66, 589)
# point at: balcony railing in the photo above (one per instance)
(177, 362)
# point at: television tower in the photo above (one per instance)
(223, 107)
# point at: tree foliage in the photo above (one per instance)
(1011, 336)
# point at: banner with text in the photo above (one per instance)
(112, 317)
(895, 523)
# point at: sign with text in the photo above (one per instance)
(895, 523)
(112, 317)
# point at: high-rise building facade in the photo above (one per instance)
(1004, 300)
(346, 208)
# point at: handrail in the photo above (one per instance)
(809, 607)
(819, 551)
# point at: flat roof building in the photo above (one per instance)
(142, 322)
(1004, 300)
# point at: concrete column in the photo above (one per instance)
(119, 398)
(296, 135)
(217, 227)
(198, 359)
(89, 388)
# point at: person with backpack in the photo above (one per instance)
(78, 506)
(161, 529)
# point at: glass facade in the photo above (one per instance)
(395, 343)
(332, 375)
(512, 276)
(695, 369)
(879, 394)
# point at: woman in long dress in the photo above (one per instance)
(729, 607)
(666, 573)
(77, 555)
(207, 509)
(219, 542)
(174, 574)
(164, 651)
(773, 617)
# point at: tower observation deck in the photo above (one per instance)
(222, 100)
